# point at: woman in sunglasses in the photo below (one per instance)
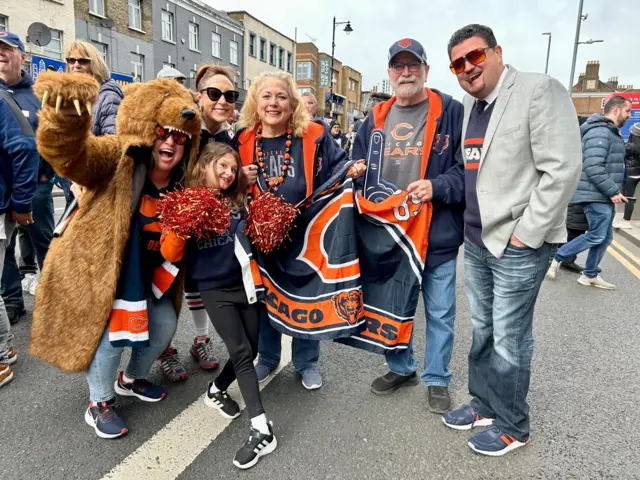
(82, 57)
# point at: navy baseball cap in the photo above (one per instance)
(408, 45)
(12, 40)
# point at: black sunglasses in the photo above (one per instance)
(214, 94)
(81, 61)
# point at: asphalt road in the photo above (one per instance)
(584, 403)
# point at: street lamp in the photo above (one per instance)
(347, 30)
(577, 42)
(546, 67)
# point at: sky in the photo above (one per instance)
(518, 28)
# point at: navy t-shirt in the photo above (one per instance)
(212, 263)
(294, 188)
(473, 143)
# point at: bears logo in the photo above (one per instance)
(348, 306)
(404, 43)
(437, 146)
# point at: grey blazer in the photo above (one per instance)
(530, 163)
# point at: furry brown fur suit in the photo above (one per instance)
(79, 278)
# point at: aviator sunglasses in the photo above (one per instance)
(474, 57)
(81, 61)
(214, 94)
(163, 133)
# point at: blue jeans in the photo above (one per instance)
(305, 353)
(34, 238)
(439, 295)
(104, 366)
(502, 294)
(6, 337)
(597, 238)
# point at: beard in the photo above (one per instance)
(407, 86)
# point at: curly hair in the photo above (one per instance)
(249, 113)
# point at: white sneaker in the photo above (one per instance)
(553, 269)
(27, 282)
(595, 282)
(623, 225)
(33, 286)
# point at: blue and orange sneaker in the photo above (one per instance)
(104, 419)
(142, 389)
(494, 442)
(465, 418)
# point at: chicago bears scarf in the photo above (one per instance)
(129, 321)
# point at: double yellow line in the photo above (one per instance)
(625, 257)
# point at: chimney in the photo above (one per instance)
(613, 83)
(593, 70)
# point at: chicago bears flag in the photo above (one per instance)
(353, 268)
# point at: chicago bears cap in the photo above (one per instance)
(12, 40)
(408, 45)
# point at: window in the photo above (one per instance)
(4, 21)
(167, 26)
(54, 49)
(135, 14)
(137, 67)
(263, 50)
(194, 37)
(353, 85)
(252, 44)
(281, 58)
(272, 54)
(215, 44)
(102, 48)
(304, 90)
(233, 55)
(96, 7)
(289, 60)
(305, 71)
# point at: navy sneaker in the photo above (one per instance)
(104, 419)
(142, 389)
(263, 372)
(494, 442)
(465, 418)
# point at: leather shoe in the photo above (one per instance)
(572, 267)
(14, 314)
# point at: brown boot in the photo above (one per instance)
(6, 375)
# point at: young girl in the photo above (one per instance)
(214, 267)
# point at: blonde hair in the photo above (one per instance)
(249, 113)
(211, 153)
(205, 72)
(99, 68)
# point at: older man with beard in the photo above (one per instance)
(422, 155)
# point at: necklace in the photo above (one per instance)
(274, 182)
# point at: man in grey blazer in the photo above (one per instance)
(522, 159)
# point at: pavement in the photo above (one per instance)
(584, 406)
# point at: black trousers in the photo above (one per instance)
(238, 324)
(628, 190)
(571, 234)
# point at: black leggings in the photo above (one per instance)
(628, 190)
(238, 324)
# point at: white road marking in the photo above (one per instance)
(59, 209)
(170, 451)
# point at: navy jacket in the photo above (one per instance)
(104, 113)
(445, 170)
(22, 93)
(19, 160)
(602, 161)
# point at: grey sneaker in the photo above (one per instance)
(438, 399)
(263, 372)
(311, 379)
(597, 282)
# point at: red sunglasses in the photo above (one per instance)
(474, 57)
(180, 137)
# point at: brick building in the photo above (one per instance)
(121, 30)
(589, 93)
(17, 15)
(265, 48)
(190, 33)
(314, 74)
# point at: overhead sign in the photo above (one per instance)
(41, 64)
(325, 72)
